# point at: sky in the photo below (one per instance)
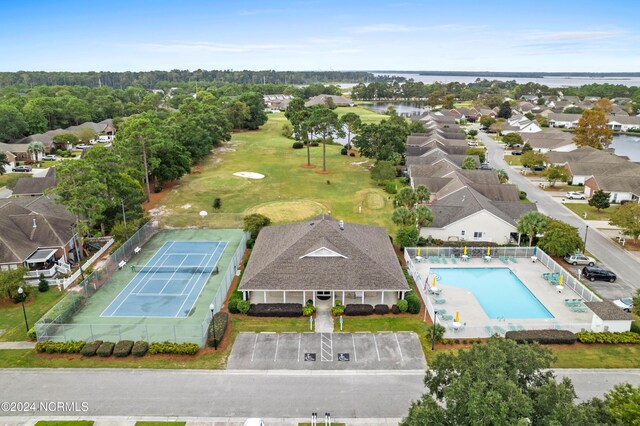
(314, 35)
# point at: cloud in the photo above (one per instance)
(386, 28)
(210, 47)
(346, 51)
(573, 35)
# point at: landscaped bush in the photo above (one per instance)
(315, 143)
(395, 309)
(607, 337)
(50, 347)
(355, 309)
(560, 337)
(522, 195)
(90, 348)
(140, 348)
(276, 310)
(414, 303)
(232, 304)
(381, 309)
(243, 306)
(344, 151)
(390, 187)
(105, 349)
(635, 327)
(250, 243)
(308, 310)
(436, 331)
(173, 348)
(122, 348)
(402, 305)
(352, 154)
(297, 145)
(221, 322)
(337, 310)
(31, 334)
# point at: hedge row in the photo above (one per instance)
(51, 347)
(275, 310)
(561, 337)
(90, 348)
(173, 348)
(105, 350)
(608, 337)
(221, 322)
(122, 348)
(381, 309)
(140, 348)
(232, 304)
(356, 309)
(414, 304)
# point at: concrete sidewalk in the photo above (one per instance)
(17, 345)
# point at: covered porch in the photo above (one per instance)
(387, 297)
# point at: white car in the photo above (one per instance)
(579, 259)
(82, 146)
(575, 195)
(253, 422)
(49, 157)
(626, 303)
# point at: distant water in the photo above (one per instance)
(547, 81)
(402, 108)
(627, 145)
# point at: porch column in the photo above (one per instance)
(314, 298)
(382, 297)
(402, 295)
(244, 295)
(344, 303)
(363, 297)
(265, 296)
(333, 298)
(284, 296)
(304, 298)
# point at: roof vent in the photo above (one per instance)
(341, 223)
(312, 223)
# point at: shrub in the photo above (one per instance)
(17, 297)
(221, 322)
(607, 337)
(438, 332)
(344, 151)
(456, 341)
(413, 303)
(90, 348)
(561, 337)
(31, 334)
(402, 305)
(157, 189)
(276, 310)
(43, 284)
(243, 306)
(139, 348)
(635, 327)
(105, 349)
(338, 302)
(173, 348)
(464, 341)
(356, 309)
(250, 243)
(217, 203)
(123, 348)
(381, 309)
(395, 309)
(390, 187)
(337, 310)
(352, 154)
(297, 145)
(50, 347)
(522, 195)
(308, 310)
(232, 304)
(315, 143)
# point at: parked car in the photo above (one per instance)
(593, 273)
(626, 303)
(22, 169)
(49, 157)
(253, 422)
(516, 152)
(579, 259)
(82, 146)
(486, 167)
(538, 168)
(575, 195)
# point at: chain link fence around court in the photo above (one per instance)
(57, 324)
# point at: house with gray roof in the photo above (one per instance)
(339, 101)
(35, 186)
(549, 140)
(323, 258)
(608, 317)
(562, 120)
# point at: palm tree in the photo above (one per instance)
(403, 216)
(532, 223)
(35, 148)
(424, 215)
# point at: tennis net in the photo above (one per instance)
(177, 269)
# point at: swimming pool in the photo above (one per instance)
(498, 290)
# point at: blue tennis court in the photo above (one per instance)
(170, 282)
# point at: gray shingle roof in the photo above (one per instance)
(34, 185)
(608, 311)
(370, 263)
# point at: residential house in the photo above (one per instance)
(323, 259)
(339, 101)
(562, 120)
(486, 111)
(525, 107)
(35, 186)
(11, 158)
(549, 140)
(529, 98)
(277, 102)
(521, 124)
(621, 123)
(607, 317)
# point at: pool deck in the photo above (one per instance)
(477, 321)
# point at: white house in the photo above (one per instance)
(622, 187)
(562, 120)
(522, 125)
(622, 123)
(608, 317)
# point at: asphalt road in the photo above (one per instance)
(195, 393)
(612, 256)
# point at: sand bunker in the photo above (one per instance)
(249, 175)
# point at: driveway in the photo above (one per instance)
(625, 265)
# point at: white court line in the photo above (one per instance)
(135, 278)
(355, 357)
(299, 342)
(163, 258)
(376, 343)
(254, 347)
(399, 350)
(277, 342)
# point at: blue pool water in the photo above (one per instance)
(498, 290)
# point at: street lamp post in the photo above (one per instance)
(433, 332)
(24, 312)
(586, 231)
(213, 326)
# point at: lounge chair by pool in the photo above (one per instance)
(503, 259)
(446, 317)
(439, 301)
(500, 329)
(513, 259)
(489, 330)
(578, 309)
(453, 259)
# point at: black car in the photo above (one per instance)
(593, 273)
(516, 152)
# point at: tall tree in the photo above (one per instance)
(623, 404)
(448, 101)
(531, 224)
(604, 105)
(505, 110)
(556, 173)
(237, 113)
(383, 171)
(298, 116)
(406, 197)
(382, 141)
(403, 216)
(469, 163)
(351, 123)
(12, 123)
(423, 194)
(531, 159)
(479, 151)
(560, 238)
(4, 161)
(324, 123)
(627, 217)
(511, 139)
(600, 200)
(592, 130)
(34, 149)
(257, 115)
(424, 216)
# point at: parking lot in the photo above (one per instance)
(327, 351)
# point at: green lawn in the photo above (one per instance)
(288, 193)
(598, 356)
(514, 160)
(9, 179)
(65, 423)
(12, 319)
(161, 423)
(592, 213)
(366, 115)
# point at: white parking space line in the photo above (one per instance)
(299, 343)
(326, 347)
(353, 339)
(399, 350)
(275, 357)
(376, 343)
(254, 347)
